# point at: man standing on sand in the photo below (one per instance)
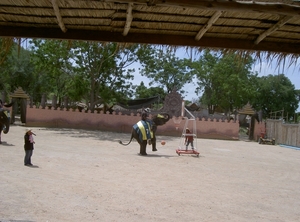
(28, 147)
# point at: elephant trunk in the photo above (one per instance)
(6, 126)
(5, 119)
(167, 117)
(161, 119)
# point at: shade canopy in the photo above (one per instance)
(272, 26)
(138, 103)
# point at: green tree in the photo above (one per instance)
(53, 66)
(141, 91)
(18, 71)
(164, 69)
(203, 69)
(5, 52)
(91, 72)
(298, 94)
(226, 80)
(235, 83)
(6, 45)
(276, 92)
(104, 70)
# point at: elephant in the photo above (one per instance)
(4, 122)
(4, 119)
(156, 120)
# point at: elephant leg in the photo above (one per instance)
(154, 143)
(154, 146)
(142, 143)
(143, 146)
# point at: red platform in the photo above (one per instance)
(179, 152)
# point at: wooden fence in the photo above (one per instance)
(286, 134)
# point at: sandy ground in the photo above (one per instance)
(82, 175)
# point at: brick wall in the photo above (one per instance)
(117, 122)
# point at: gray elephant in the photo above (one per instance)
(140, 137)
(4, 119)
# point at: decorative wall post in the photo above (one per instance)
(31, 102)
(43, 102)
(54, 102)
(14, 110)
(66, 103)
(23, 106)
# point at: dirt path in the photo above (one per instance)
(82, 175)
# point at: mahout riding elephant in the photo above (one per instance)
(4, 119)
(140, 137)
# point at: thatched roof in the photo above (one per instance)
(247, 110)
(272, 26)
(20, 93)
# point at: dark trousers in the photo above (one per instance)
(188, 143)
(27, 159)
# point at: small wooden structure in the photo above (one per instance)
(19, 98)
(248, 110)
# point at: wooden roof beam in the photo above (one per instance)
(58, 16)
(179, 40)
(236, 6)
(129, 18)
(209, 24)
(272, 29)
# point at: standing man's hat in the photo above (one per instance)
(28, 130)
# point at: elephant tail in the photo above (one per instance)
(125, 144)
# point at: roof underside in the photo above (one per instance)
(138, 103)
(272, 26)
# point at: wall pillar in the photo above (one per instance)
(54, 102)
(43, 102)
